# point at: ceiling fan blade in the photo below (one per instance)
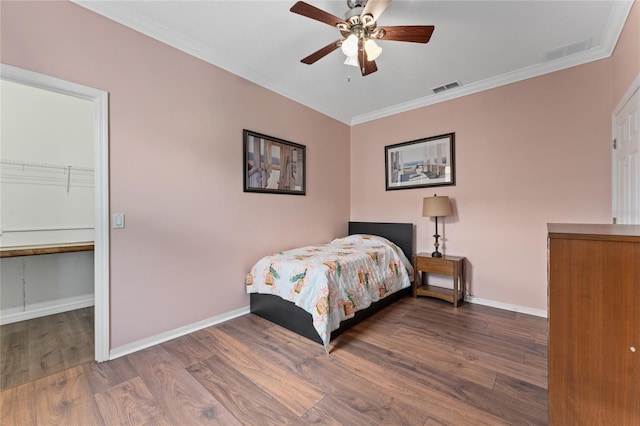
(411, 33)
(320, 53)
(375, 8)
(366, 67)
(305, 9)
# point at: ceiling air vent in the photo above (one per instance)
(568, 49)
(446, 87)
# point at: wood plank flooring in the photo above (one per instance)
(39, 347)
(417, 362)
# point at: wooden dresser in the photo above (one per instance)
(594, 324)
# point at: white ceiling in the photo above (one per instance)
(481, 44)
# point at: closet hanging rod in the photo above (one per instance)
(45, 165)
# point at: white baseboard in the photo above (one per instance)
(37, 310)
(178, 332)
(506, 306)
(172, 334)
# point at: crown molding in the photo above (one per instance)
(167, 36)
(610, 37)
(490, 83)
(145, 26)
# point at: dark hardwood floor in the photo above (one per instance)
(39, 347)
(417, 362)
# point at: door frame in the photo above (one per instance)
(100, 101)
(633, 88)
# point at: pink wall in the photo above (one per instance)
(176, 166)
(527, 154)
(625, 61)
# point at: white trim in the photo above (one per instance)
(43, 309)
(490, 83)
(614, 168)
(507, 306)
(171, 38)
(101, 245)
(50, 229)
(178, 332)
(165, 35)
(615, 24)
(631, 90)
(100, 101)
(175, 333)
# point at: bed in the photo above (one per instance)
(266, 303)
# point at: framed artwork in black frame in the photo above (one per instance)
(421, 163)
(273, 165)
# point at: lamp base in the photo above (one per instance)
(436, 254)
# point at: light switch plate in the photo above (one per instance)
(118, 220)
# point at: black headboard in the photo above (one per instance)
(399, 233)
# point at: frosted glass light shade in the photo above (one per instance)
(372, 49)
(350, 46)
(352, 60)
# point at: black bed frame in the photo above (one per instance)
(289, 316)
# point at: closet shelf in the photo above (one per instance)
(29, 172)
(45, 165)
(52, 249)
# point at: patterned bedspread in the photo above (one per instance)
(333, 281)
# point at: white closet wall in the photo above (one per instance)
(46, 199)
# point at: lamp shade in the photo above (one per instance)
(436, 206)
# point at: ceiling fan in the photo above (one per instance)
(359, 30)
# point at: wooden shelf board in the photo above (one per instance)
(32, 251)
(435, 291)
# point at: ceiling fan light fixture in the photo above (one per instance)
(352, 60)
(358, 30)
(372, 49)
(350, 46)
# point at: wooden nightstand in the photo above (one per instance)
(452, 266)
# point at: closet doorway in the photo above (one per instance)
(626, 157)
(98, 104)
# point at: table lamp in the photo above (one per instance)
(436, 207)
